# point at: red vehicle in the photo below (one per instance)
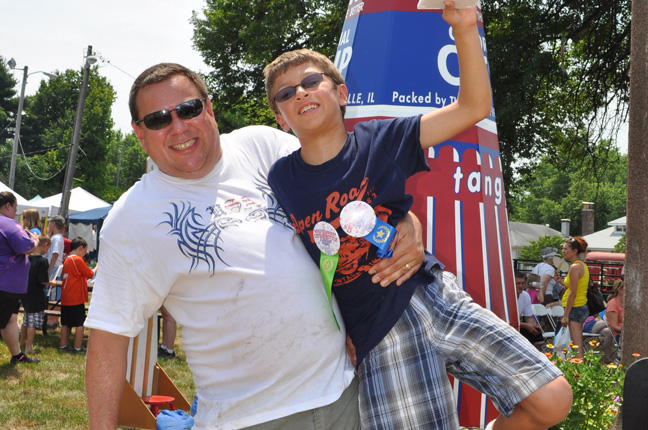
(605, 268)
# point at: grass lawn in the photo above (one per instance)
(51, 394)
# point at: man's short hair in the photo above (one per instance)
(290, 59)
(77, 242)
(160, 73)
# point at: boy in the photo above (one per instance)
(55, 254)
(406, 337)
(34, 300)
(74, 294)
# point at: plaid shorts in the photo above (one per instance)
(33, 319)
(403, 380)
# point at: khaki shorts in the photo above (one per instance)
(340, 415)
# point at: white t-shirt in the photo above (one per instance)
(524, 305)
(57, 246)
(542, 269)
(258, 331)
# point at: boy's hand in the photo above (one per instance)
(459, 18)
(409, 253)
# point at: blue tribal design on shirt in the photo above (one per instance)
(202, 241)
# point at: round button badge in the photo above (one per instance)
(358, 219)
(326, 238)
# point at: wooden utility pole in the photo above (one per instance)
(634, 334)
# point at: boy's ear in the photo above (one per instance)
(343, 94)
(282, 122)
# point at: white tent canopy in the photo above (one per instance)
(23, 203)
(80, 201)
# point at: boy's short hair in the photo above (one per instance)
(59, 221)
(77, 242)
(160, 73)
(289, 59)
(44, 239)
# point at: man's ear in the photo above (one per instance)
(282, 122)
(140, 134)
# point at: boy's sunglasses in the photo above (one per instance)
(162, 118)
(309, 81)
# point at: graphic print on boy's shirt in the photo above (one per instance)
(355, 254)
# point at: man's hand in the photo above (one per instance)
(351, 351)
(408, 254)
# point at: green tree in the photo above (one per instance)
(621, 245)
(8, 109)
(549, 194)
(8, 105)
(532, 250)
(49, 126)
(238, 38)
(560, 76)
(125, 165)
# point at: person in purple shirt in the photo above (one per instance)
(15, 244)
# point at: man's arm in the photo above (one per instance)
(408, 255)
(105, 377)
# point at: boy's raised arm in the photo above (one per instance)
(474, 99)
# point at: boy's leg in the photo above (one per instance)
(404, 382)
(546, 406)
(487, 353)
(31, 332)
(65, 332)
(78, 337)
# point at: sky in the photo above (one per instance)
(130, 35)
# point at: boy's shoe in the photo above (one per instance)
(81, 350)
(163, 353)
(65, 348)
(23, 358)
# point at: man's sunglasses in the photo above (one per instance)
(309, 81)
(162, 118)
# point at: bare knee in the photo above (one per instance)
(550, 404)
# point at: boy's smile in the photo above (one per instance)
(315, 108)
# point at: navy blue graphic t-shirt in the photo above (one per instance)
(373, 166)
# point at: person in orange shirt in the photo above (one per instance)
(74, 294)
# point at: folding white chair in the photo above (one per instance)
(540, 311)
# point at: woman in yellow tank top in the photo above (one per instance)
(575, 298)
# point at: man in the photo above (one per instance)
(529, 327)
(545, 270)
(16, 244)
(204, 235)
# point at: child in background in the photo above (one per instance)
(31, 220)
(74, 294)
(34, 300)
(406, 337)
(55, 254)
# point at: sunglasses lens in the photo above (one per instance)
(308, 82)
(157, 120)
(162, 118)
(285, 94)
(189, 109)
(312, 80)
